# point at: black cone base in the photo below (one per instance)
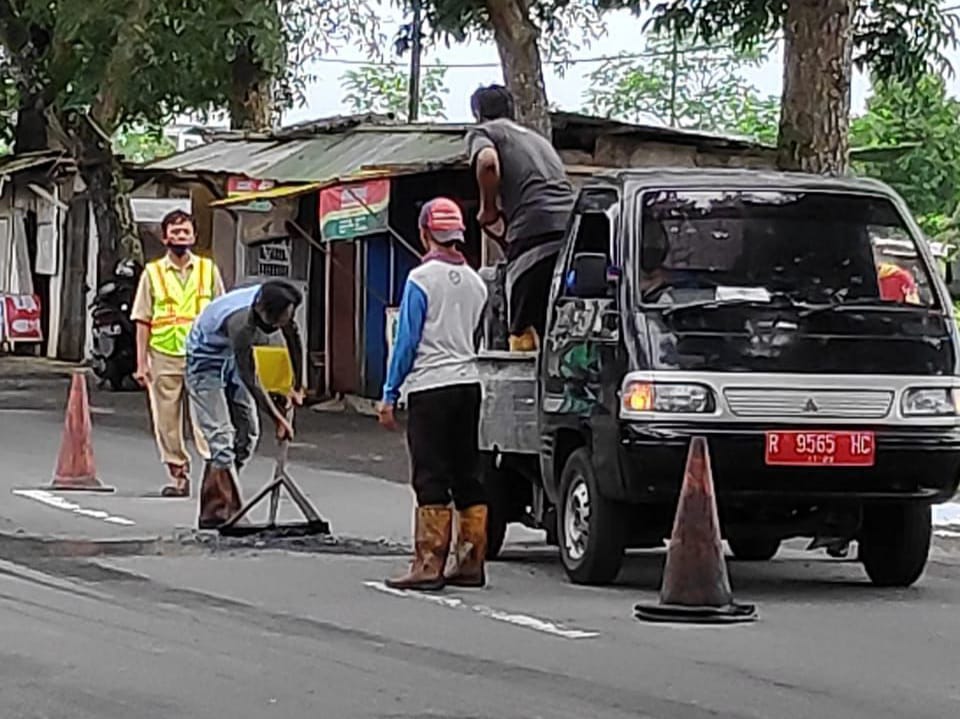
(683, 614)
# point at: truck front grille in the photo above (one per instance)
(773, 402)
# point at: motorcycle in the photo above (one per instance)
(114, 356)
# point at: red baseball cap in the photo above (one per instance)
(442, 216)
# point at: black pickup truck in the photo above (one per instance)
(760, 311)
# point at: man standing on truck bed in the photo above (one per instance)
(523, 183)
(435, 358)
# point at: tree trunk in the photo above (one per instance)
(91, 136)
(251, 92)
(75, 250)
(817, 69)
(30, 133)
(107, 192)
(516, 36)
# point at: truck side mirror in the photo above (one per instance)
(588, 275)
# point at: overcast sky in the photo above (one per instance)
(324, 96)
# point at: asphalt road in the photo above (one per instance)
(244, 633)
(289, 636)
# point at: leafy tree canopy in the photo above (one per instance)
(131, 61)
(686, 85)
(143, 144)
(892, 38)
(564, 26)
(383, 89)
(919, 113)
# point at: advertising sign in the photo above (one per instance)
(238, 185)
(354, 210)
(21, 318)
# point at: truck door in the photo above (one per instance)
(583, 328)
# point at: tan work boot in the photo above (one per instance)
(219, 497)
(471, 551)
(431, 545)
(179, 485)
(527, 342)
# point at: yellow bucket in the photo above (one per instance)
(274, 368)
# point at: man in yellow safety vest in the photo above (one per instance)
(172, 292)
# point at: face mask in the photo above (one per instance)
(262, 324)
(179, 250)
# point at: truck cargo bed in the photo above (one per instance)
(508, 415)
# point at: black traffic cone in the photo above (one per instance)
(696, 588)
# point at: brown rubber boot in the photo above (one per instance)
(179, 485)
(431, 545)
(471, 550)
(219, 497)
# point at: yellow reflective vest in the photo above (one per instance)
(177, 302)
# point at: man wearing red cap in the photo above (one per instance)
(434, 359)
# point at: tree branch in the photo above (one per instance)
(108, 104)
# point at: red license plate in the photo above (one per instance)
(828, 449)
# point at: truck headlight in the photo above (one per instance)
(664, 397)
(931, 402)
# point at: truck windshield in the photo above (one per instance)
(810, 248)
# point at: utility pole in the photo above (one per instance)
(673, 78)
(413, 113)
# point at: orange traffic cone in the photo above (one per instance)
(696, 588)
(75, 467)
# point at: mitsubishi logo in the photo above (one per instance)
(811, 406)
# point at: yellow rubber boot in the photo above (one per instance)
(527, 342)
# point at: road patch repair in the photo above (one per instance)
(521, 620)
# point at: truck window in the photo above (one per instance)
(593, 228)
(591, 246)
(815, 247)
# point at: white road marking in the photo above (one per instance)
(946, 515)
(53, 500)
(946, 533)
(520, 620)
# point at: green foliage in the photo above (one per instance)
(564, 26)
(687, 86)
(8, 108)
(383, 89)
(143, 144)
(176, 54)
(927, 176)
(892, 38)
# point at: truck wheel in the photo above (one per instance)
(895, 542)
(753, 549)
(590, 527)
(498, 505)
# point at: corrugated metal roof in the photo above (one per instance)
(322, 157)
(10, 164)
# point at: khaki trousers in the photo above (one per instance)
(168, 398)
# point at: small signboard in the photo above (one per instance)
(21, 319)
(237, 185)
(354, 210)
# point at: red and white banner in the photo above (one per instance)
(21, 318)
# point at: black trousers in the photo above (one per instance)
(530, 292)
(529, 298)
(442, 437)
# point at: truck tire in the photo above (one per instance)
(590, 527)
(498, 505)
(753, 549)
(895, 542)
